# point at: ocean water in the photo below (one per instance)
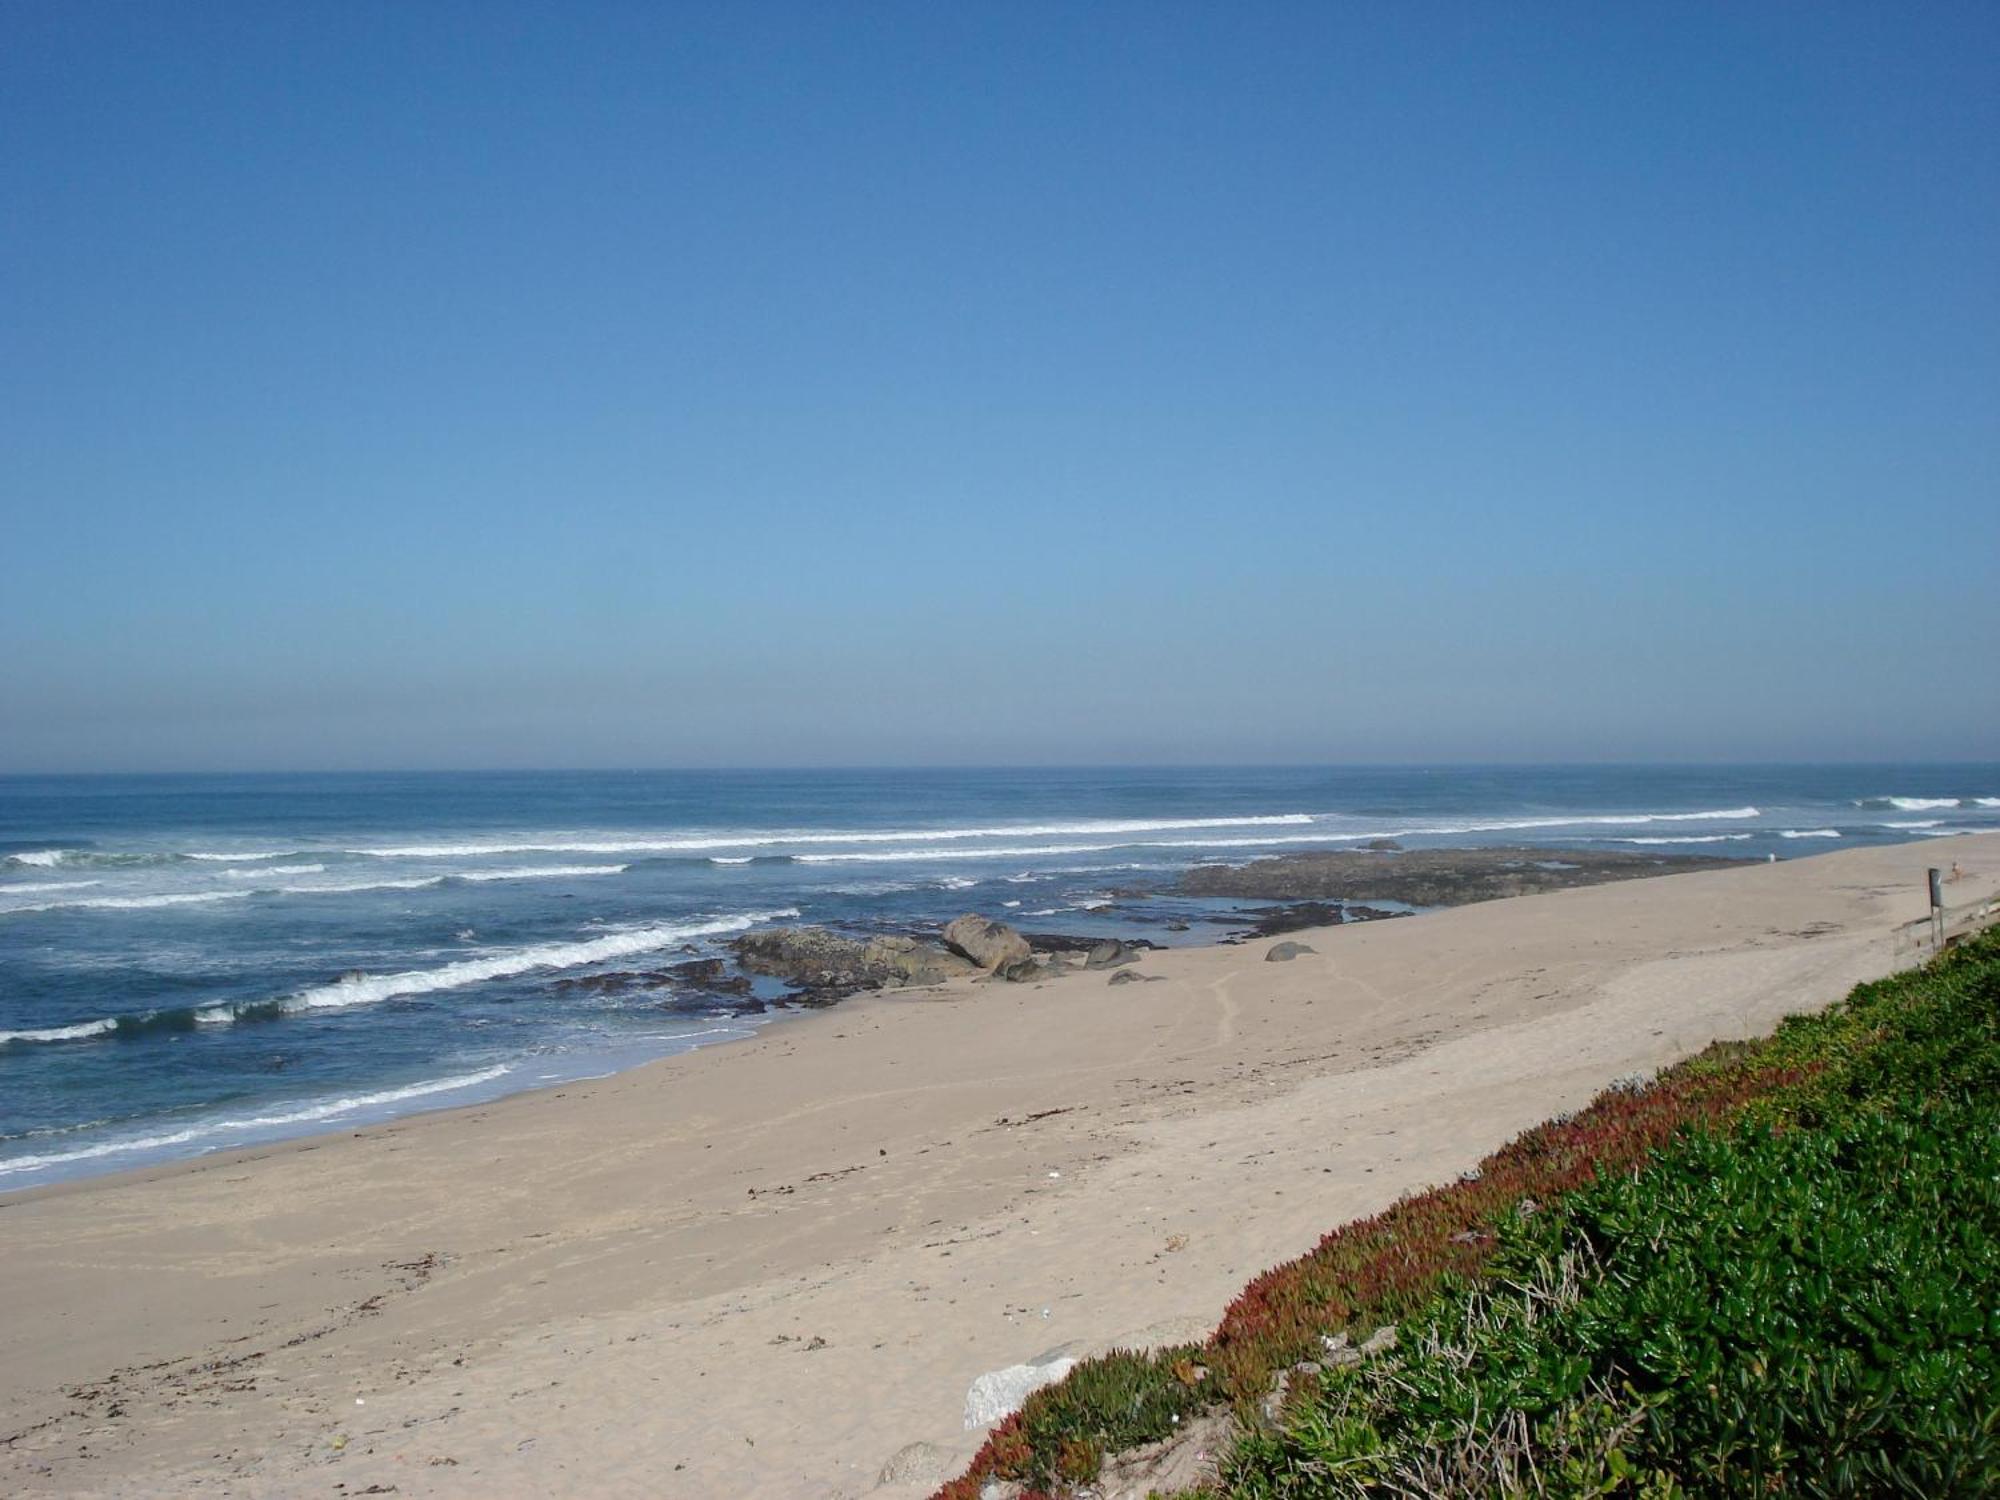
(190, 963)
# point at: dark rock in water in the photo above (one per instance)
(1383, 846)
(1432, 877)
(1177, 927)
(1370, 913)
(1284, 953)
(994, 946)
(601, 984)
(1297, 916)
(709, 975)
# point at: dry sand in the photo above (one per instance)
(765, 1268)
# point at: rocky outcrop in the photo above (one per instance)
(910, 960)
(1096, 953)
(994, 946)
(826, 965)
(1431, 877)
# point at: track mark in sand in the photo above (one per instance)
(161, 1387)
(1227, 1009)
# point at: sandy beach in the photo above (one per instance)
(768, 1268)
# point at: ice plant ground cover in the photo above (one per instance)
(1773, 1269)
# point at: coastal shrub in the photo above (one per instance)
(1928, 1035)
(1804, 1302)
(1803, 1312)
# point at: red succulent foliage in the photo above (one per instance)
(1379, 1270)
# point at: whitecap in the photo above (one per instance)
(60, 1033)
(40, 859)
(1809, 833)
(129, 903)
(641, 844)
(366, 989)
(544, 872)
(1692, 838)
(326, 1110)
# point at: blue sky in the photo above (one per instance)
(392, 385)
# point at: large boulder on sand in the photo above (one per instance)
(909, 961)
(994, 946)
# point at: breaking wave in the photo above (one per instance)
(641, 845)
(368, 989)
(326, 1110)
(130, 903)
(1503, 825)
(1924, 804)
(1692, 838)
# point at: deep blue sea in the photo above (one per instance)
(189, 963)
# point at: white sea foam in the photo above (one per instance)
(731, 859)
(40, 859)
(129, 903)
(1919, 823)
(415, 883)
(1809, 833)
(1914, 804)
(1503, 825)
(241, 855)
(640, 844)
(1984, 801)
(366, 989)
(59, 1033)
(46, 885)
(268, 870)
(326, 1110)
(544, 872)
(1951, 833)
(424, 882)
(1693, 838)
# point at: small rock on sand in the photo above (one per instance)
(999, 1393)
(918, 1463)
(1285, 952)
